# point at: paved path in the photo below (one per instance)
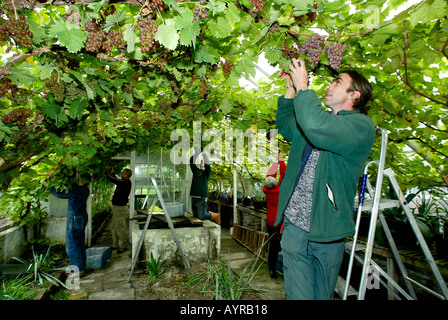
(110, 282)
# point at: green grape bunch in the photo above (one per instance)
(56, 87)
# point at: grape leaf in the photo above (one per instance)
(220, 28)
(69, 35)
(113, 19)
(167, 34)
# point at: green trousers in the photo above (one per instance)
(120, 232)
(310, 269)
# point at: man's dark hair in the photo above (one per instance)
(360, 83)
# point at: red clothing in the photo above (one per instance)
(272, 195)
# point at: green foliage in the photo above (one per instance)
(123, 97)
(40, 269)
(156, 267)
(17, 288)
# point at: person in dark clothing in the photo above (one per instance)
(120, 209)
(76, 222)
(271, 190)
(199, 189)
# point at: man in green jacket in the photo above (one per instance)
(328, 153)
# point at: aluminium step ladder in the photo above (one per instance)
(171, 226)
(376, 205)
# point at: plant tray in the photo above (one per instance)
(97, 257)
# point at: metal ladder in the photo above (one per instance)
(376, 205)
(171, 226)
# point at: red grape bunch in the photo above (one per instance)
(157, 5)
(200, 13)
(313, 49)
(6, 85)
(16, 30)
(19, 116)
(95, 37)
(290, 51)
(227, 67)
(148, 29)
(258, 5)
(335, 51)
(98, 39)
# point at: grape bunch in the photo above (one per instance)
(18, 116)
(148, 29)
(17, 30)
(258, 5)
(200, 13)
(128, 87)
(20, 97)
(56, 88)
(313, 49)
(289, 51)
(72, 91)
(203, 86)
(96, 36)
(227, 67)
(6, 85)
(157, 5)
(307, 18)
(114, 38)
(335, 51)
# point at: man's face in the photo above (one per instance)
(337, 95)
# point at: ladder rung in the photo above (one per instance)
(349, 245)
(340, 287)
(384, 204)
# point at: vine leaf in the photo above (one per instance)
(167, 34)
(220, 28)
(428, 12)
(69, 35)
(188, 30)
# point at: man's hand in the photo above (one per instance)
(291, 91)
(299, 74)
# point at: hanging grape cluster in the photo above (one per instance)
(98, 39)
(157, 5)
(307, 18)
(227, 67)
(203, 86)
(73, 91)
(20, 97)
(6, 85)
(17, 30)
(18, 116)
(335, 51)
(200, 13)
(258, 5)
(148, 29)
(56, 88)
(313, 49)
(290, 51)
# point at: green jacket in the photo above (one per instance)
(345, 141)
(199, 183)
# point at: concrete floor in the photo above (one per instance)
(110, 282)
